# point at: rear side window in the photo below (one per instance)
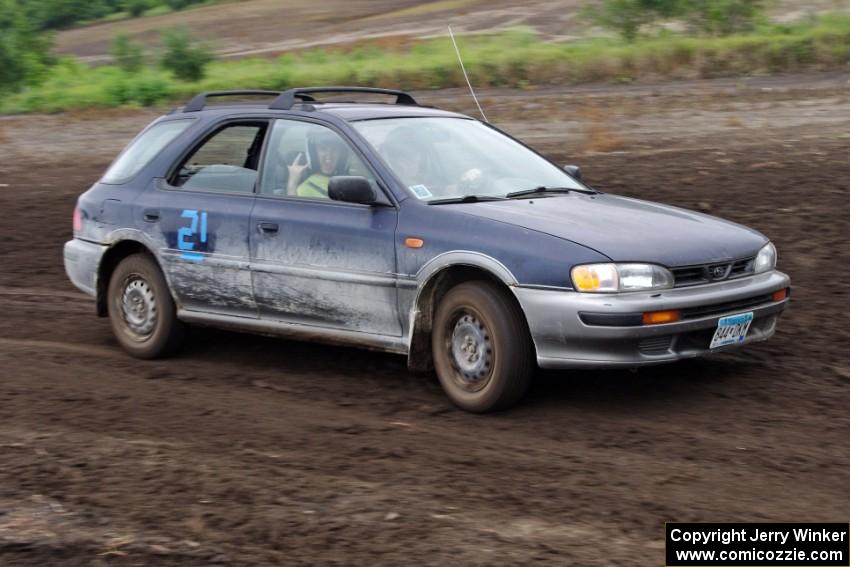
(143, 149)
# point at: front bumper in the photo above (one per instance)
(564, 340)
(82, 259)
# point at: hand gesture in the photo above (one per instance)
(296, 170)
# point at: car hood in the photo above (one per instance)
(627, 230)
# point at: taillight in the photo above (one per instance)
(78, 220)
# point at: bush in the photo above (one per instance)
(187, 61)
(23, 52)
(136, 7)
(178, 4)
(143, 89)
(128, 55)
(722, 17)
(627, 17)
(51, 14)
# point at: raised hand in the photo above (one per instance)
(296, 168)
(296, 171)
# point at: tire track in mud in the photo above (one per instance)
(42, 292)
(34, 345)
(19, 304)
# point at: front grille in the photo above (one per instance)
(706, 273)
(655, 345)
(718, 308)
(742, 268)
(688, 276)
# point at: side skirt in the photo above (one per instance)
(299, 331)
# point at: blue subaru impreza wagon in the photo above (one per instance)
(408, 229)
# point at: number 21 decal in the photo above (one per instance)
(186, 235)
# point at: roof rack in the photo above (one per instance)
(200, 101)
(286, 99)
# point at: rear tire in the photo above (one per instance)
(141, 310)
(481, 347)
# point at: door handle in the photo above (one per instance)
(268, 227)
(151, 215)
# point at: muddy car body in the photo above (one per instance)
(471, 254)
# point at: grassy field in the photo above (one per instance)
(514, 59)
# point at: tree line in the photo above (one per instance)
(25, 57)
(58, 14)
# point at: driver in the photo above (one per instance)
(413, 159)
(326, 155)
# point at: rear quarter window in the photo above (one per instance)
(143, 149)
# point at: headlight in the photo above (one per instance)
(611, 278)
(766, 258)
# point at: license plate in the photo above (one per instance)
(731, 330)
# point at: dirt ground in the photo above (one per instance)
(246, 450)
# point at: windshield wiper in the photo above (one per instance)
(465, 199)
(540, 190)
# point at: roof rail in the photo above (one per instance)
(287, 99)
(200, 101)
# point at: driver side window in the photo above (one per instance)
(302, 157)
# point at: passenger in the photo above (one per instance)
(326, 154)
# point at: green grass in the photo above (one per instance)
(514, 59)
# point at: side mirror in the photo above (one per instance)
(574, 171)
(352, 189)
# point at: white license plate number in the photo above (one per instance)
(731, 330)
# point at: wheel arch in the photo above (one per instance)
(117, 251)
(434, 280)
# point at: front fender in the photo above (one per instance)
(464, 258)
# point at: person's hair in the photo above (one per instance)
(410, 138)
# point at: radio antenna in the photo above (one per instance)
(465, 76)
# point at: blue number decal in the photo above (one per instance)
(186, 234)
(203, 227)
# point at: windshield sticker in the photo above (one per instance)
(421, 191)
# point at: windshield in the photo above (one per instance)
(442, 158)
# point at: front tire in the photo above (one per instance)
(142, 313)
(481, 348)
